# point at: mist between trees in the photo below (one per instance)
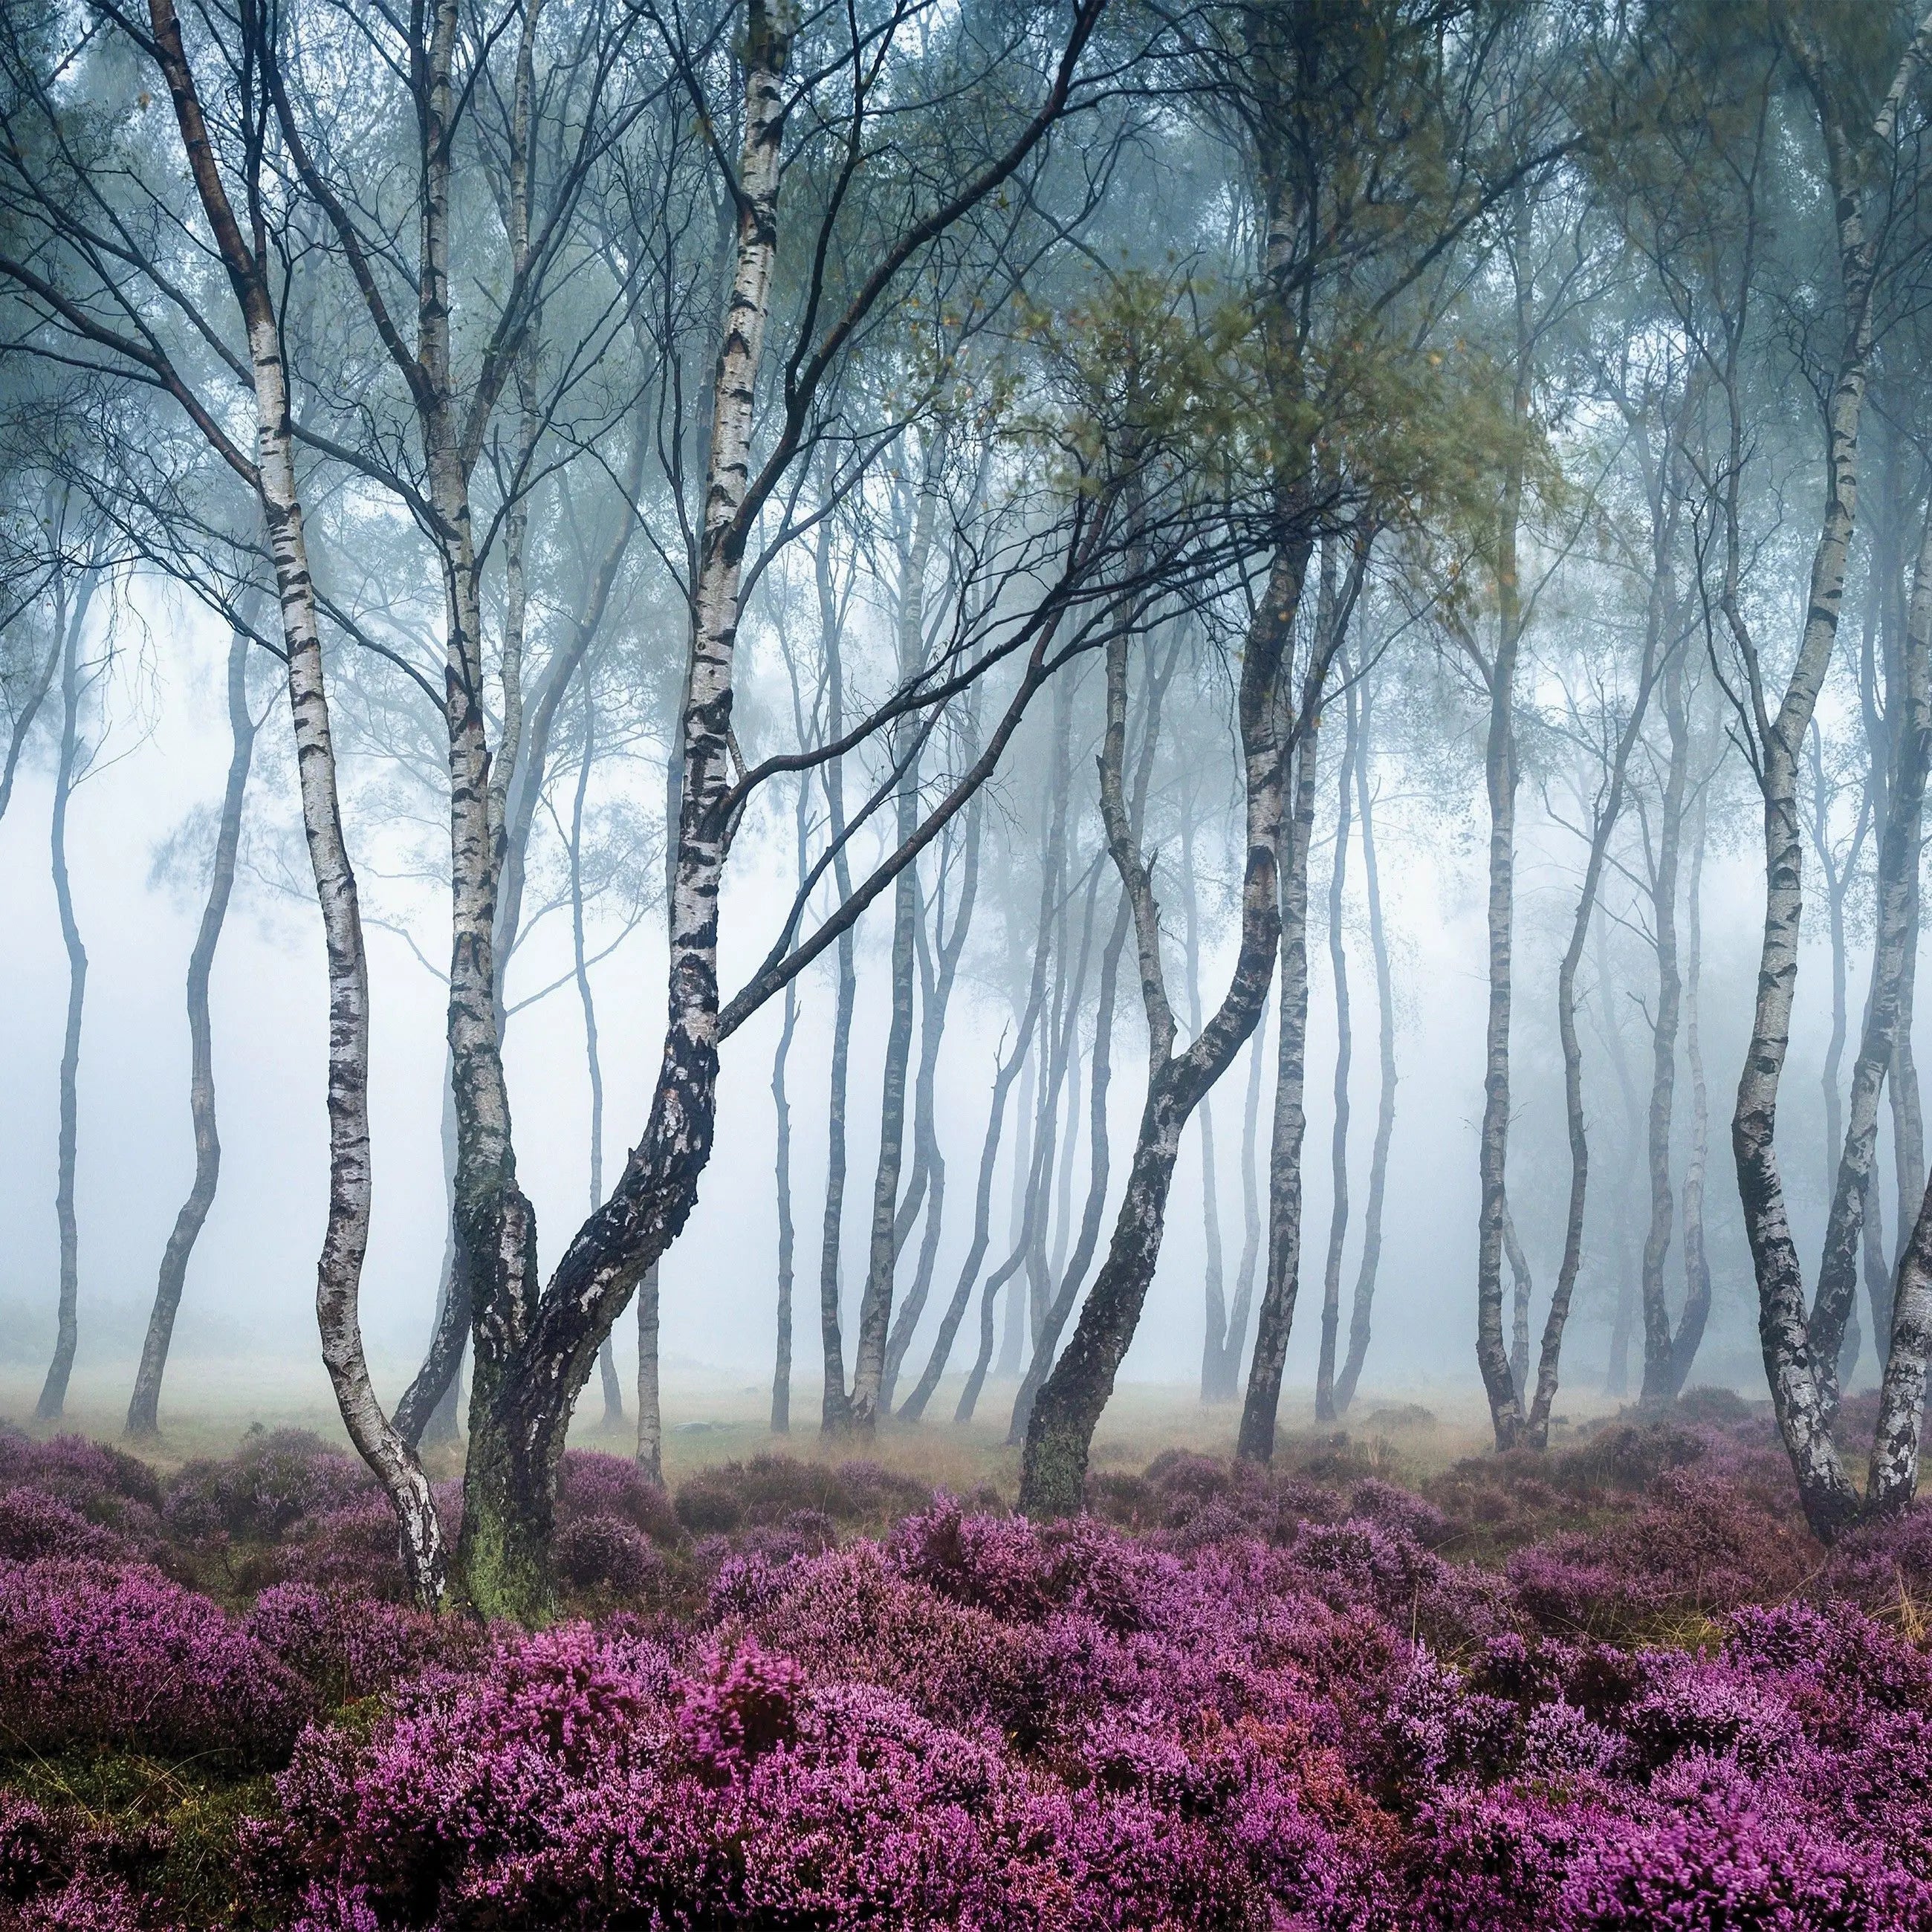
(905, 660)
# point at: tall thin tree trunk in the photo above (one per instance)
(1227, 1384)
(1362, 1308)
(1500, 776)
(834, 1407)
(1256, 1440)
(338, 1274)
(1074, 1276)
(1214, 1333)
(1697, 1263)
(1658, 1341)
(936, 977)
(53, 1391)
(613, 1396)
(144, 1409)
(1013, 1339)
(914, 1406)
(1325, 1410)
(782, 1108)
(875, 1306)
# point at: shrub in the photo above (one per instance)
(94, 1653)
(33, 1524)
(605, 1551)
(276, 1479)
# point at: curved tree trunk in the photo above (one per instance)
(338, 1274)
(144, 1409)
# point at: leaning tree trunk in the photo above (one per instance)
(53, 1391)
(144, 1409)
(1325, 1410)
(1060, 1434)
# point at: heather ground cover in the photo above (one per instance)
(1617, 1686)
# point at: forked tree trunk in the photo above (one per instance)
(144, 1409)
(53, 1390)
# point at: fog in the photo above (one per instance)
(247, 1317)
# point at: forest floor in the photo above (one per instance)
(1396, 1681)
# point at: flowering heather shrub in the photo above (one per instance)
(276, 1479)
(593, 1552)
(33, 1524)
(89, 1475)
(767, 1491)
(589, 1484)
(1254, 1701)
(1701, 1542)
(95, 1653)
(1883, 1565)
(347, 1648)
(59, 1867)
